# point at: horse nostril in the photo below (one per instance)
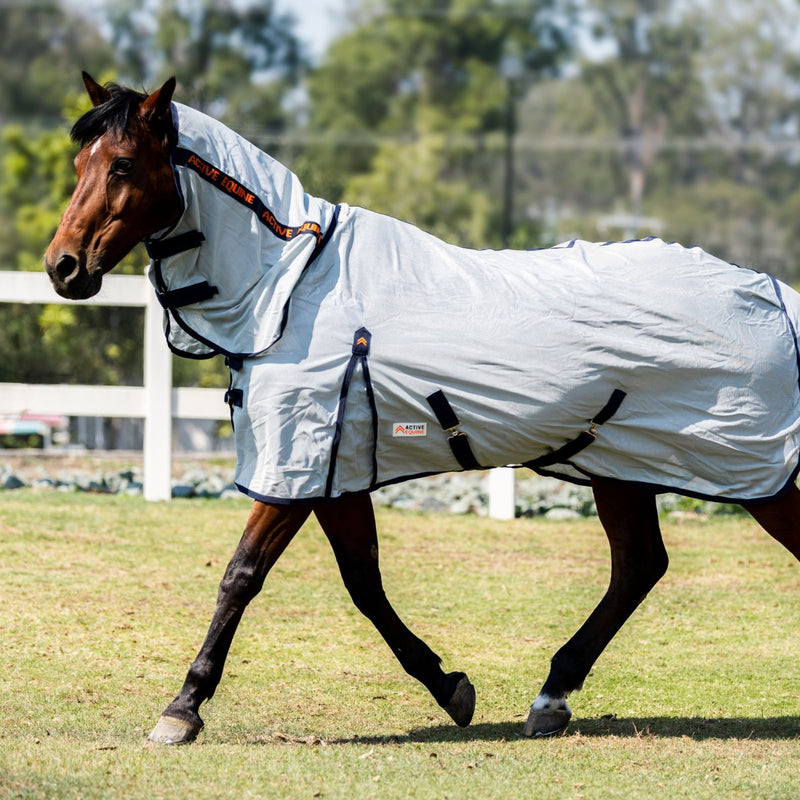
(66, 266)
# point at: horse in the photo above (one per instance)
(249, 266)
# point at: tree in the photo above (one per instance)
(58, 343)
(649, 89)
(42, 50)
(234, 61)
(681, 116)
(416, 90)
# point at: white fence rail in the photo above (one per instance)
(156, 402)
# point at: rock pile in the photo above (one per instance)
(458, 493)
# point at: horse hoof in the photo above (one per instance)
(462, 704)
(170, 730)
(547, 721)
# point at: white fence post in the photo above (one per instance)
(158, 406)
(502, 499)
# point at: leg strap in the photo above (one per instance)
(458, 441)
(583, 439)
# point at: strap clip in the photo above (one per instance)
(234, 397)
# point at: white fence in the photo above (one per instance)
(156, 402)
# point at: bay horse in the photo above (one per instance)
(229, 228)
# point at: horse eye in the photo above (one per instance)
(122, 166)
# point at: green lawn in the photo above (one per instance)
(105, 600)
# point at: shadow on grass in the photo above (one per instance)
(697, 728)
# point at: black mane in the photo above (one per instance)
(113, 115)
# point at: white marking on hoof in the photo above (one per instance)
(548, 716)
(170, 730)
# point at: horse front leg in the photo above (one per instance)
(349, 525)
(269, 530)
(629, 516)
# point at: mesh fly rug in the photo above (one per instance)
(364, 351)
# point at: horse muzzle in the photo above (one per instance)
(71, 277)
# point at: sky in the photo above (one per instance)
(318, 21)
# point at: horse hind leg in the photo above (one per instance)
(780, 518)
(629, 516)
(353, 538)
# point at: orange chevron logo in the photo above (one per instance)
(362, 341)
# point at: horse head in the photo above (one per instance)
(126, 188)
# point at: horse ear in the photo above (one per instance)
(98, 94)
(156, 105)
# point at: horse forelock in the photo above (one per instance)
(115, 116)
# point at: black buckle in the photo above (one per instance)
(234, 397)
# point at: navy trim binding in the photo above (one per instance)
(777, 288)
(664, 488)
(217, 350)
(361, 342)
(587, 481)
(326, 238)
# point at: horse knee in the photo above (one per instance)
(241, 582)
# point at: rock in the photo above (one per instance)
(210, 486)
(13, 482)
(562, 514)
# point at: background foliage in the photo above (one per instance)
(617, 119)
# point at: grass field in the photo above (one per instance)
(105, 600)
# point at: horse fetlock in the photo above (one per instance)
(461, 704)
(569, 669)
(184, 709)
(548, 716)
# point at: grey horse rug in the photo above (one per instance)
(364, 351)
